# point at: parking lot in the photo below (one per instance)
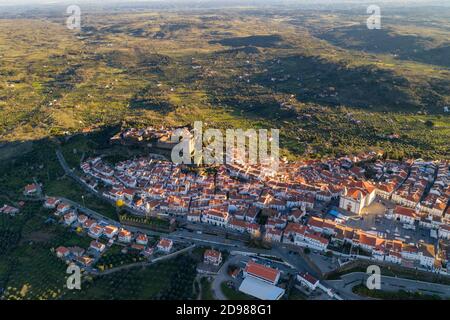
(373, 220)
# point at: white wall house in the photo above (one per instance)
(216, 217)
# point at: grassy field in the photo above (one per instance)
(152, 223)
(28, 267)
(115, 258)
(329, 84)
(206, 290)
(69, 189)
(172, 279)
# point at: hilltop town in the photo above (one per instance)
(315, 204)
(99, 101)
(355, 208)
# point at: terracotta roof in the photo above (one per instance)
(317, 238)
(212, 253)
(295, 228)
(404, 211)
(109, 229)
(142, 237)
(309, 278)
(30, 187)
(238, 223)
(321, 223)
(165, 243)
(355, 193)
(261, 271)
(97, 245)
(427, 250)
(217, 213)
(367, 239)
(62, 250)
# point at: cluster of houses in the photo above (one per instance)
(152, 186)
(426, 189)
(234, 196)
(436, 200)
(318, 234)
(389, 175)
(411, 191)
(30, 190)
(103, 235)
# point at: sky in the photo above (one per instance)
(244, 2)
(271, 1)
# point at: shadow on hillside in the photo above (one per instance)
(319, 81)
(262, 41)
(13, 151)
(405, 47)
(148, 99)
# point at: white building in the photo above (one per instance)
(216, 217)
(444, 232)
(308, 281)
(165, 245)
(70, 218)
(358, 195)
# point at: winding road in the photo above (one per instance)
(348, 281)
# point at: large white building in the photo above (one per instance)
(216, 217)
(356, 196)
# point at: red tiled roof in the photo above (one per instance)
(367, 240)
(212, 253)
(142, 237)
(62, 250)
(217, 213)
(261, 271)
(295, 228)
(96, 244)
(308, 278)
(124, 233)
(404, 211)
(110, 229)
(165, 243)
(317, 238)
(30, 187)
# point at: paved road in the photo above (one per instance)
(145, 263)
(69, 172)
(298, 261)
(222, 276)
(348, 281)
